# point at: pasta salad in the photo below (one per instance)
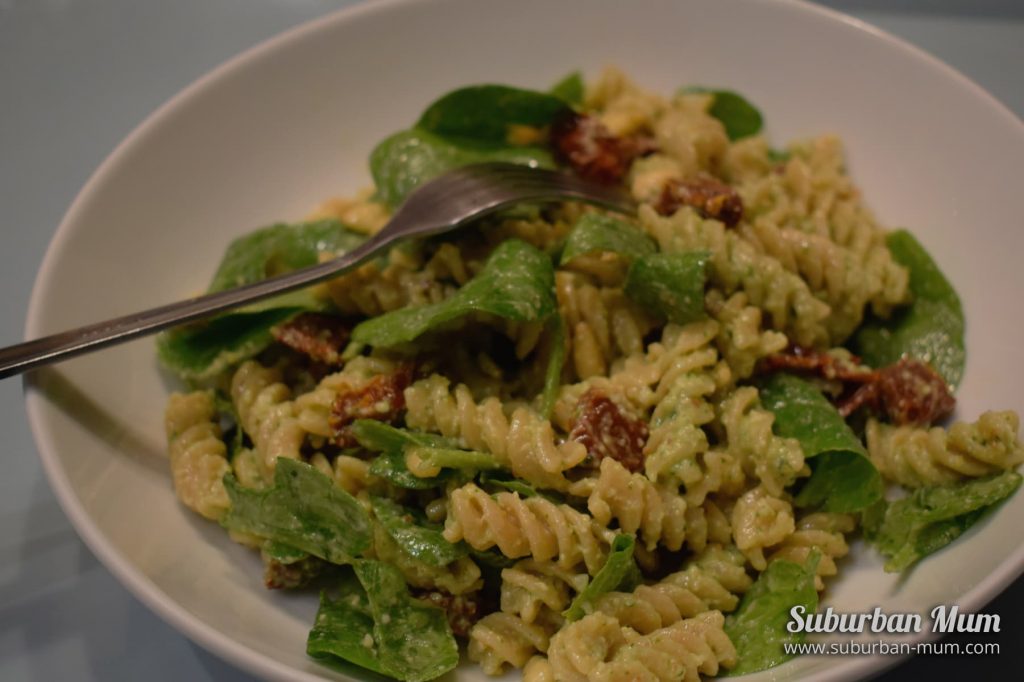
(585, 445)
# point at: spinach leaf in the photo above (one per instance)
(570, 89)
(407, 159)
(419, 538)
(516, 283)
(453, 458)
(344, 627)
(844, 479)
(391, 467)
(483, 113)
(740, 117)
(304, 510)
(380, 437)
(930, 518)
(278, 249)
(375, 623)
(413, 640)
(556, 361)
(619, 573)
(930, 329)
(594, 232)
(758, 627)
(199, 352)
(391, 443)
(283, 553)
(670, 285)
(504, 480)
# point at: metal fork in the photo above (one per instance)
(440, 205)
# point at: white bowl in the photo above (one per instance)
(291, 122)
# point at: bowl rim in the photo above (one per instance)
(155, 599)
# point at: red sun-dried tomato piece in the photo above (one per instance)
(381, 398)
(585, 144)
(911, 392)
(710, 197)
(799, 359)
(321, 337)
(606, 430)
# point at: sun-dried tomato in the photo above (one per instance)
(827, 366)
(911, 392)
(281, 576)
(906, 392)
(381, 398)
(710, 197)
(591, 150)
(463, 610)
(606, 430)
(321, 337)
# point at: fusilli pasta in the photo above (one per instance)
(915, 456)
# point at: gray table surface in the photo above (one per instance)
(75, 77)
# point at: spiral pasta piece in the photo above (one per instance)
(597, 648)
(602, 323)
(632, 499)
(707, 523)
(678, 449)
(266, 413)
(916, 457)
(524, 442)
(531, 587)
(500, 639)
(711, 581)
(741, 339)
(197, 454)
(532, 527)
(760, 520)
(821, 531)
(776, 462)
(812, 193)
(737, 265)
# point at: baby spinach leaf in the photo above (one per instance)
(453, 458)
(391, 443)
(516, 283)
(740, 117)
(419, 538)
(570, 89)
(594, 233)
(931, 328)
(483, 113)
(670, 285)
(304, 509)
(199, 352)
(517, 485)
(758, 627)
(407, 159)
(619, 573)
(278, 249)
(930, 518)
(344, 627)
(380, 437)
(391, 467)
(556, 361)
(412, 639)
(844, 479)
(283, 553)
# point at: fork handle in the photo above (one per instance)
(49, 349)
